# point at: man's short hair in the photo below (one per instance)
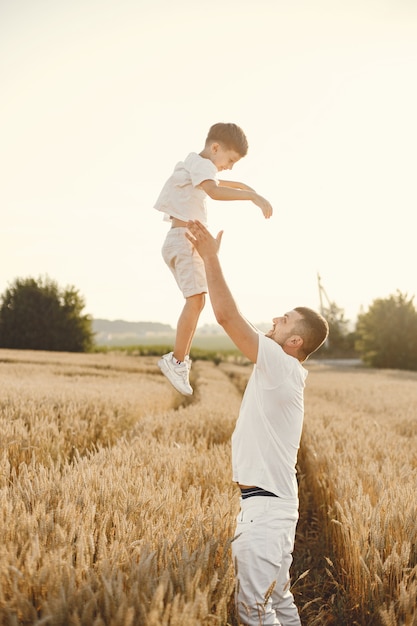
(230, 136)
(312, 328)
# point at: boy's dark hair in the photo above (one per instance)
(313, 329)
(230, 135)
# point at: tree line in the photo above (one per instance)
(39, 315)
(36, 314)
(385, 335)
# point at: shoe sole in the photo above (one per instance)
(164, 369)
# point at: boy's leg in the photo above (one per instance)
(188, 269)
(187, 325)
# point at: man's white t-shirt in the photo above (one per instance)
(180, 196)
(267, 435)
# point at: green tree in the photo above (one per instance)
(340, 342)
(38, 315)
(387, 333)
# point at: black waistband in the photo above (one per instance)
(256, 491)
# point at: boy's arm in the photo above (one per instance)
(234, 185)
(226, 192)
(240, 331)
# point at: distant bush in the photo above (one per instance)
(387, 333)
(38, 315)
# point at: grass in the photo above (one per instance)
(117, 505)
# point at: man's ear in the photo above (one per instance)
(293, 346)
(295, 341)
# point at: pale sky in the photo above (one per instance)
(101, 98)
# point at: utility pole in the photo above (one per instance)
(323, 294)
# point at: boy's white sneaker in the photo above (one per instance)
(178, 375)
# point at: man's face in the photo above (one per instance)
(284, 327)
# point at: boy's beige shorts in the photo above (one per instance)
(184, 262)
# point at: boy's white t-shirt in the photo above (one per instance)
(267, 435)
(180, 196)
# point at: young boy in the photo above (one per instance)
(183, 198)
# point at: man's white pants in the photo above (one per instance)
(262, 555)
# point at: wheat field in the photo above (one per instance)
(117, 506)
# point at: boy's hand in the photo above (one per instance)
(205, 244)
(264, 205)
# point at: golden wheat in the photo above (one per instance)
(359, 446)
(113, 509)
(117, 506)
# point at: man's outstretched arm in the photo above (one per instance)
(227, 313)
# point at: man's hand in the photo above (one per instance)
(205, 244)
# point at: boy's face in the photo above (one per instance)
(222, 157)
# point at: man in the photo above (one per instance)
(265, 443)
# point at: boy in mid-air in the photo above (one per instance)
(183, 198)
